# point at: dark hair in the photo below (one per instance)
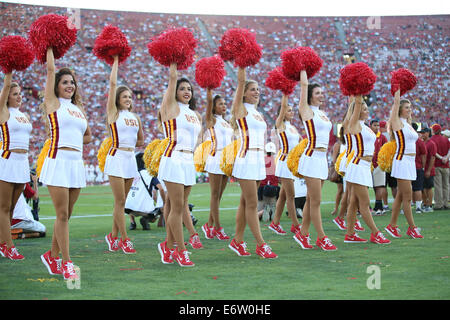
(76, 98)
(191, 103)
(373, 121)
(140, 161)
(311, 88)
(341, 135)
(216, 97)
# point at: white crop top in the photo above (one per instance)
(318, 131)
(124, 130)
(252, 129)
(182, 131)
(15, 133)
(67, 127)
(364, 142)
(406, 139)
(289, 138)
(220, 135)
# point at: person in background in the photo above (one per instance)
(378, 175)
(417, 185)
(441, 182)
(428, 182)
(268, 189)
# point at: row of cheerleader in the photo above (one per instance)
(234, 148)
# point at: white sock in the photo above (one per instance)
(418, 204)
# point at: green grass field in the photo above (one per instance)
(408, 269)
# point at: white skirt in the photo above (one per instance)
(122, 165)
(178, 168)
(343, 164)
(282, 170)
(213, 163)
(359, 173)
(15, 169)
(404, 169)
(250, 167)
(315, 166)
(66, 170)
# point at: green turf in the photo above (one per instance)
(409, 269)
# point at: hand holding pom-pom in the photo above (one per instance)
(276, 80)
(298, 59)
(357, 79)
(209, 72)
(111, 42)
(52, 31)
(175, 45)
(240, 46)
(402, 79)
(16, 53)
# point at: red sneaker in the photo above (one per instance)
(68, 270)
(354, 238)
(239, 248)
(13, 254)
(208, 231)
(3, 249)
(358, 226)
(127, 246)
(303, 241)
(393, 231)
(265, 252)
(53, 264)
(182, 257)
(277, 229)
(165, 252)
(414, 233)
(220, 234)
(340, 223)
(113, 243)
(195, 242)
(325, 244)
(379, 238)
(295, 229)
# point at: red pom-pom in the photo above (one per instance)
(175, 45)
(276, 80)
(52, 31)
(240, 46)
(402, 79)
(298, 59)
(209, 72)
(111, 42)
(356, 79)
(16, 53)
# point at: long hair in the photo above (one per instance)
(311, 88)
(216, 98)
(13, 85)
(402, 103)
(119, 91)
(192, 104)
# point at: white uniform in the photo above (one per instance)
(139, 198)
(124, 131)
(65, 168)
(15, 134)
(250, 164)
(289, 138)
(403, 165)
(313, 163)
(177, 166)
(220, 136)
(358, 170)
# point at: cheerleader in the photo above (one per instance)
(14, 166)
(126, 132)
(182, 126)
(220, 133)
(359, 175)
(313, 163)
(63, 169)
(289, 138)
(403, 165)
(249, 167)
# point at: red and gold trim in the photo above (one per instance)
(359, 148)
(349, 144)
(170, 127)
(6, 140)
(115, 139)
(54, 135)
(212, 133)
(284, 147)
(400, 144)
(244, 137)
(312, 137)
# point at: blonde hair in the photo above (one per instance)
(13, 85)
(402, 103)
(119, 91)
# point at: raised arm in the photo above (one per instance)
(169, 103)
(51, 102)
(353, 124)
(210, 120)
(304, 109)
(279, 123)
(237, 109)
(111, 108)
(394, 118)
(4, 113)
